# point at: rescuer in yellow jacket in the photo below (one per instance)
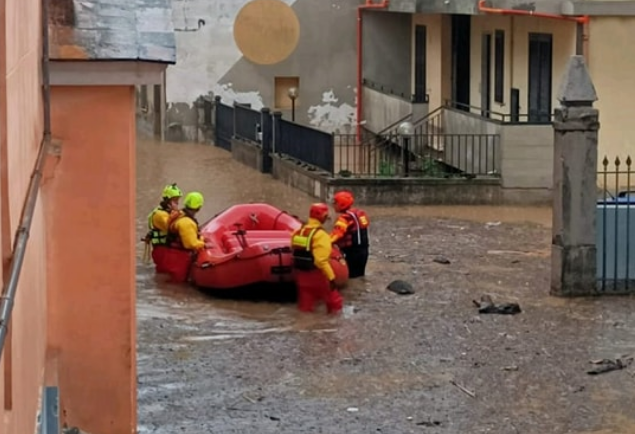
(158, 223)
(314, 276)
(185, 239)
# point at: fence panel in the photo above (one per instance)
(422, 155)
(306, 144)
(224, 126)
(615, 226)
(248, 122)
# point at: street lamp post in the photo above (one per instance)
(406, 130)
(293, 95)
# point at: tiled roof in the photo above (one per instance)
(112, 30)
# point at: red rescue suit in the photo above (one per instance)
(178, 258)
(350, 233)
(314, 275)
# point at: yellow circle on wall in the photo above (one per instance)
(266, 31)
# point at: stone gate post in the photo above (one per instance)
(573, 250)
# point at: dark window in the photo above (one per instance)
(499, 66)
(420, 65)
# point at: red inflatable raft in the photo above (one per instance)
(251, 243)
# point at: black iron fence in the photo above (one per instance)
(306, 144)
(247, 122)
(436, 155)
(615, 225)
(240, 121)
(224, 125)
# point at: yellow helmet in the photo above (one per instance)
(194, 200)
(171, 191)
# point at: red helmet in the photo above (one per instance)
(319, 211)
(343, 199)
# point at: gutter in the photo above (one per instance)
(582, 22)
(10, 284)
(368, 5)
(488, 10)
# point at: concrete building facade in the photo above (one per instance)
(253, 51)
(495, 67)
(67, 144)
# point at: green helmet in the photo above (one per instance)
(194, 200)
(171, 191)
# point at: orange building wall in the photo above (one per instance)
(21, 371)
(91, 264)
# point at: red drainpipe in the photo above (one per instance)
(369, 5)
(583, 21)
(482, 8)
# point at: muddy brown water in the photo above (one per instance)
(389, 364)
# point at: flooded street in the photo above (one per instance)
(391, 364)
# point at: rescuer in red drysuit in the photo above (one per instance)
(350, 233)
(314, 276)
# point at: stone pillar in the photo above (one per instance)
(573, 250)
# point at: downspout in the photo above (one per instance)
(368, 5)
(582, 21)
(482, 8)
(10, 286)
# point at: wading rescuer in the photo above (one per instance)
(350, 233)
(158, 222)
(184, 240)
(314, 276)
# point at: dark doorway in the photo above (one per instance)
(486, 74)
(420, 65)
(461, 61)
(539, 78)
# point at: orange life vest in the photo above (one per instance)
(357, 229)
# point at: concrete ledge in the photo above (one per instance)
(419, 191)
(301, 176)
(527, 196)
(247, 153)
(389, 191)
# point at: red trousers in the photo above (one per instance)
(314, 287)
(158, 256)
(177, 263)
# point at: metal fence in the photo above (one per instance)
(224, 126)
(247, 122)
(615, 225)
(437, 155)
(306, 144)
(280, 136)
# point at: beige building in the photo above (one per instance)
(495, 67)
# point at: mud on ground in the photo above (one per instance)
(393, 364)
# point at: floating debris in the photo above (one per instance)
(608, 365)
(486, 305)
(441, 260)
(400, 287)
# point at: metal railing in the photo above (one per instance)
(615, 229)
(223, 125)
(247, 123)
(306, 144)
(505, 118)
(435, 155)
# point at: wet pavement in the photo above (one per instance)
(421, 363)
